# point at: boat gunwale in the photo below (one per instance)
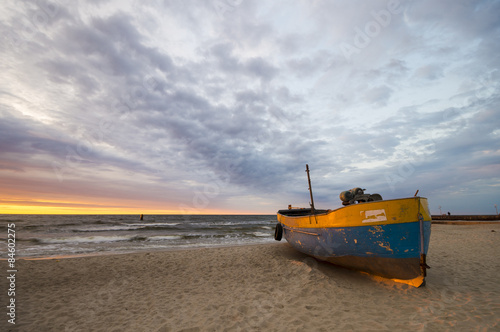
(328, 211)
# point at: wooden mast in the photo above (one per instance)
(310, 188)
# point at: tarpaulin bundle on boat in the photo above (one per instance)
(357, 195)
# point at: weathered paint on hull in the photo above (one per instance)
(389, 248)
(391, 251)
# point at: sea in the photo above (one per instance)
(45, 236)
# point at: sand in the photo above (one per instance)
(260, 288)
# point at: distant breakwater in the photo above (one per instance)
(490, 217)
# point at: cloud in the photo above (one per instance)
(429, 72)
(173, 97)
(379, 95)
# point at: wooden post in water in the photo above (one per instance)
(310, 188)
(142, 216)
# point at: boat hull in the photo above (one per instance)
(385, 238)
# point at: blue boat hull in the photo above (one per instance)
(390, 250)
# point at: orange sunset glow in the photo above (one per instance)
(57, 207)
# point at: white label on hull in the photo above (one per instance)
(373, 215)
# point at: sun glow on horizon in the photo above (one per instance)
(41, 209)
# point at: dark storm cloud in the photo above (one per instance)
(461, 157)
(229, 63)
(30, 144)
(23, 137)
(221, 137)
(243, 94)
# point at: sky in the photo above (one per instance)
(183, 106)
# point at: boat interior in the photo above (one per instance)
(300, 212)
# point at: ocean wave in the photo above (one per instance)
(110, 228)
(127, 227)
(102, 239)
(165, 237)
(229, 223)
(69, 234)
(64, 225)
(9, 220)
(261, 234)
(80, 239)
(153, 224)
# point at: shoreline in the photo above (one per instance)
(260, 287)
(148, 251)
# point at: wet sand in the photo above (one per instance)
(260, 288)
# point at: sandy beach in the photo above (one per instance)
(267, 287)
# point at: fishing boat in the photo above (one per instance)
(386, 238)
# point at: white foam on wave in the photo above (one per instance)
(164, 237)
(261, 234)
(108, 228)
(88, 239)
(154, 224)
